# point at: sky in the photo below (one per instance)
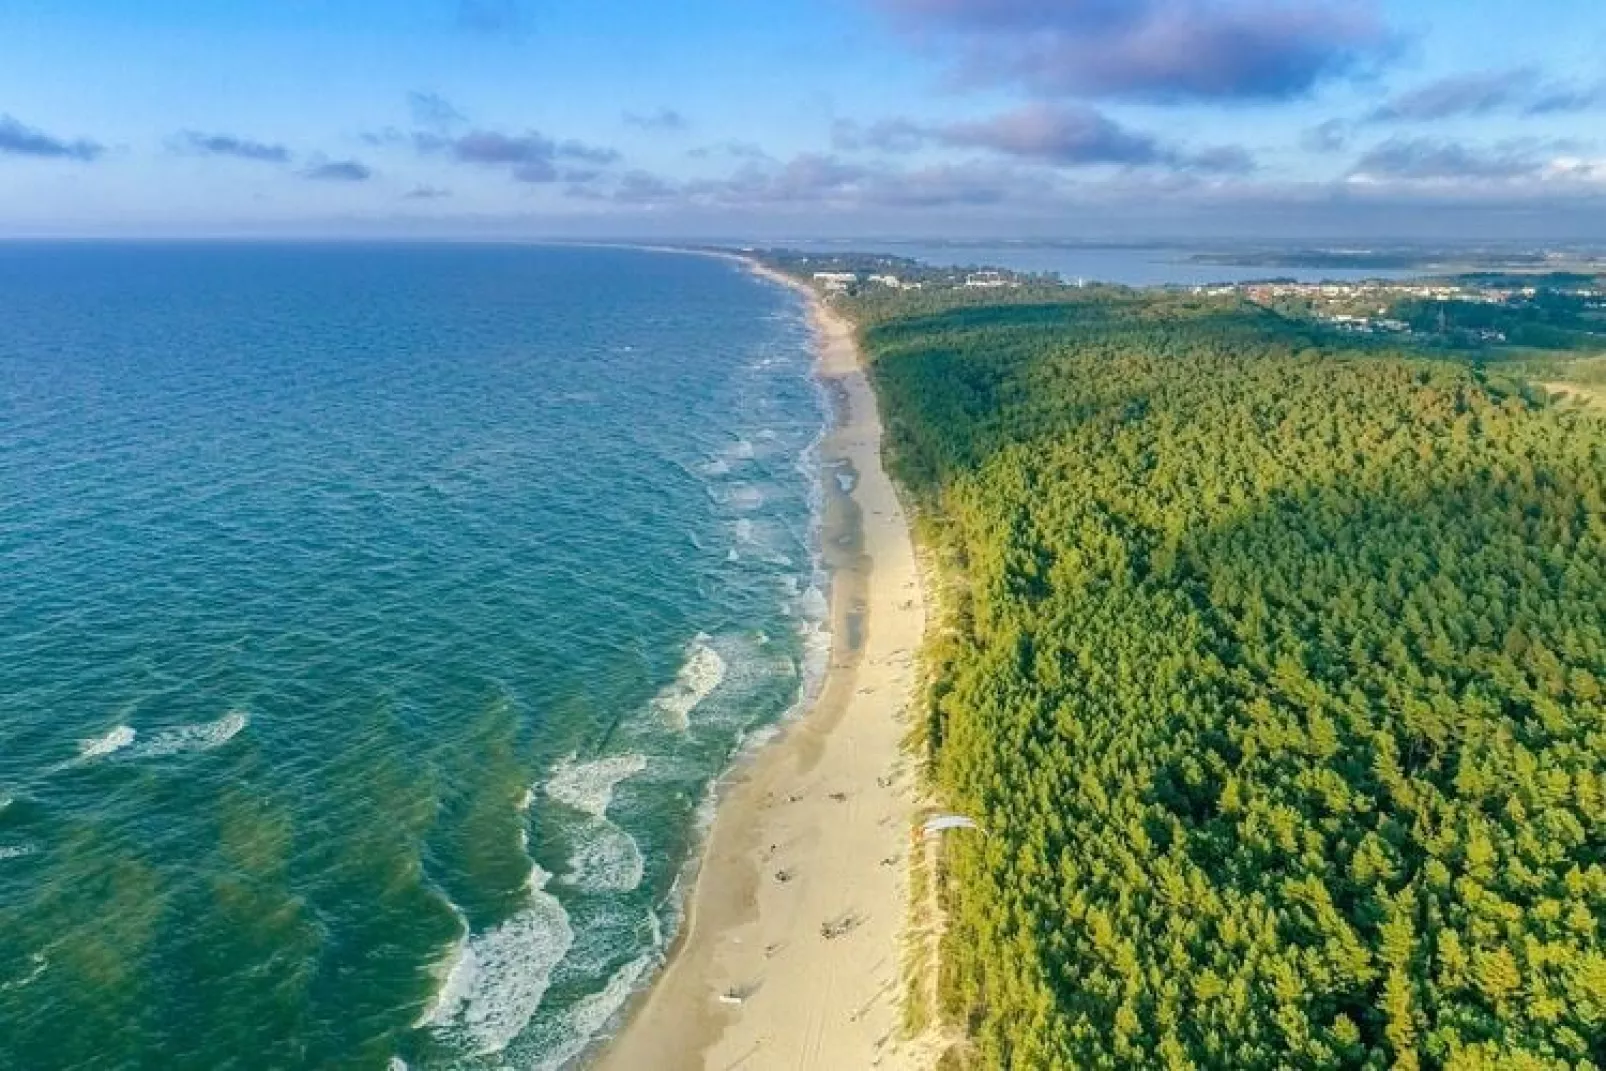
(1474, 120)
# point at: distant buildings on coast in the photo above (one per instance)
(1364, 308)
(1476, 308)
(836, 280)
(842, 281)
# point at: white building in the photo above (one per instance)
(836, 280)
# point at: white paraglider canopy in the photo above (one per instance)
(944, 822)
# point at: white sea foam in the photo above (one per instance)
(607, 860)
(454, 974)
(40, 964)
(16, 851)
(812, 604)
(702, 824)
(201, 737)
(745, 497)
(500, 976)
(592, 1014)
(816, 655)
(588, 786)
(567, 1038)
(738, 497)
(703, 671)
(100, 746)
(728, 457)
(763, 538)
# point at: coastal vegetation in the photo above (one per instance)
(1276, 678)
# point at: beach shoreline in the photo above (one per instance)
(789, 953)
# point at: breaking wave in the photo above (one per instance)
(590, 1014)
(100, 746)
(738, 497)
(588, 786)
(497, 978)
(202, 737)
(39, 965)
(607, 860)
(702, 672)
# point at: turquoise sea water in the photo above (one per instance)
(373, 621)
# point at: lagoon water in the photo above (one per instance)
(373, 623)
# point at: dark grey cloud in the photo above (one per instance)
(1431, 158)
(600, 155)
(1154, 50)
(1558, 97)
(737, 150)
(820, 181)
(541, 171)
(955, 185)
(810, 178)
(995, 196)
(662, 119)
(1219, 160)
(229, 145)
(531, 156)
(433, 111)
(806, 177)
(1518, 91)
(389, 137)
(1062, 136)
(1328, 137)
(339, 171)
(635, 187)
(426, 193)
(1058, 135)
(884, 135)
(19, 140)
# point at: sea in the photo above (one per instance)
(376, 622)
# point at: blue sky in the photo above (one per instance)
(785, 118)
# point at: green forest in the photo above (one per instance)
(1275, 672)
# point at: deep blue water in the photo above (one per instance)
(373, 620)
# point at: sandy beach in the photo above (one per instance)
(790, 952)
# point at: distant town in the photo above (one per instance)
(1370, 307)
(841, 281)
(1543, 310)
